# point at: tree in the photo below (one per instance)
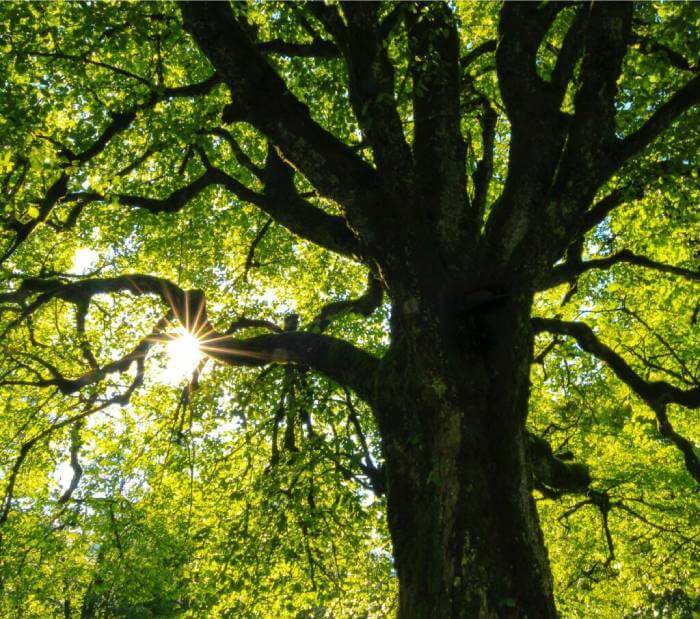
(467, 165)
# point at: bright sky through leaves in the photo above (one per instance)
(84, 260)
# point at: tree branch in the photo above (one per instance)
(591, 131)
(392, 19)
(364, 305)
(472, 55)
(122, 120)
(286, 208)
(250, 256)
(552, 475)
(438, 146)
(22, 230)
(337, 359)
(656, 394)
(647, 45)
(635, 189)
(521, 27)
(85, 60)
(569, 270)
(119, 123)
(601, 209)
(262, 98)
(69, 386)
(316, 49)
(75, 445)
(484, 168)
(371, 87)
(330, 18)
(679, 103)
(571, 50)
(119, 398)
(238, 152)
(538, 134)
(283, 203)
(653, 393)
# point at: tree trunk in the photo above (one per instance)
(467, 541)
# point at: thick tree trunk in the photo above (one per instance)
(466, 537)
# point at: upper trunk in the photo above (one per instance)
(467, 542)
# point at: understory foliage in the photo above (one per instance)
(250, 484)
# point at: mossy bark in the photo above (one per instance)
(467, 541)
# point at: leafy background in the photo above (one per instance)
(245, 496)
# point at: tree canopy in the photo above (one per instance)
(151, 187)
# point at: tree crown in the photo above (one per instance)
(268, 176)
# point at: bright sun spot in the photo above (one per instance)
(183, 356)
(83, 260)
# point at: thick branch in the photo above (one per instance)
(605, 42)
(337, 359)
(22, 230)
(262, 98)
(571, 50)
(316, 49)
(538, 132)
(552, 475)
(371, 87)
(647, 45)
(252, 323)
(329, 16)
(484, 168)
(283, 203)
(439, 149)
(472, 55)
(364, 305)
(521, 28)
(591, 132)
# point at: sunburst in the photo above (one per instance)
(184, 353)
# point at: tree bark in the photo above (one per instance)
(467, 541)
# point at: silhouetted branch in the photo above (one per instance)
(569, 270)
(656, 394)
(364, 305)
(335, 358)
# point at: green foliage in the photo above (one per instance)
(246, 494)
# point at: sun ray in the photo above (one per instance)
(184, 354)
